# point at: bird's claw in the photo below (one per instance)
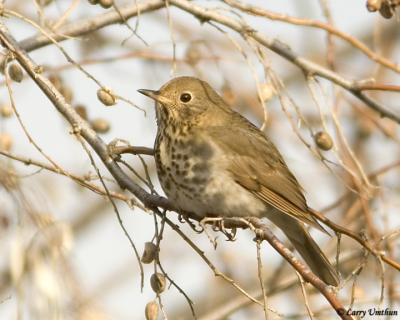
(218, 224)
(184, 218)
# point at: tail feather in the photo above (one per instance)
(305, 245)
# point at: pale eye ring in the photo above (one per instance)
(185, 97)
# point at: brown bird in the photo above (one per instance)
(212, 161)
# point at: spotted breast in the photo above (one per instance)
(191, 173)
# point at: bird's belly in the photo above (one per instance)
(203, 186)
(224, 197)
(218, 196)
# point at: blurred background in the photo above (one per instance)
(63, 254)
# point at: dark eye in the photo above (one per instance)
(185, 97)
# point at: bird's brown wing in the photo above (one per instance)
(257, 165)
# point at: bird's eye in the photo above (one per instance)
(185, 97)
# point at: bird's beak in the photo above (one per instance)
(155, 95)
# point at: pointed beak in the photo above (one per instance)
(155, 95)
(150, 93)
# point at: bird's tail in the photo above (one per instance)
(305, 245)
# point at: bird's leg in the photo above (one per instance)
(114, 150)
(119, 146)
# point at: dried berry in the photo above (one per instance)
(6, 111)
(106, 3)
(157, 282)
(193, 54)
(374, 5)
(66, 93)
(106, 97)
(5, 141)
(82, 111)
(45, 3)
(100, 125)
(149, 253)
(267, 91)
(11, 180)
(151, 311)
(323, 140)
(56, 81)
(15, 72)
(228, 94)
(4, 221)
(386, 10)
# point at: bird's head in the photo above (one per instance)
(183, 99)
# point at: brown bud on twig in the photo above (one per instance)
(94, 2)
(149, 253)
(106, 97)
(100, 125)
(15, 72)
(106, 3)
(6, 111)
(323, 140)
(157, 282)
(151, 311)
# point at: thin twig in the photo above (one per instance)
(261, 278)
(304, 292)
(316, 24)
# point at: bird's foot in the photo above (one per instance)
(183, 217)
(218, 224)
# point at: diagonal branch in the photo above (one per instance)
(88, 25)
(78, 124)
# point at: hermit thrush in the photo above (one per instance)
(211, 161)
